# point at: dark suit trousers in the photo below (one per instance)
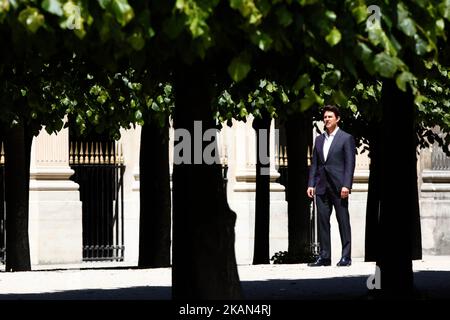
(325, 204)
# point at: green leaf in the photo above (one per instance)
(13, 4)
(310, 98)
(444, 9)
(405, 23)
(136, 40)
(243, 112)
(378, 36)
(284, 97)
(248, 9)
(138, 115)
(31, 19)
(385, 65)
(307, 2)
(301, 82)
(440, 26)
(239, 67)
(422, 3)
(421, 46)
(262, 40)
(72, 18)
(334, 37)
(332, 78)
(122, 11)
(284, 16)
(364, 53)
(340, 98)
(360, 13)
(306, 103)
(403, 78)
(353, 107)
(104, 3)
(331, 15)
(52, 6)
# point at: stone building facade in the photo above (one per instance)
(56, 220)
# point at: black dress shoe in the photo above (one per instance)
(320, 262)
(344, 262)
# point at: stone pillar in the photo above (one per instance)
(130, 142)
(55, 223)
(435, 201)
(240, 141)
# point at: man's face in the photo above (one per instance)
(330, 121)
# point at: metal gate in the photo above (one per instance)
(99, 171)
(2, 206)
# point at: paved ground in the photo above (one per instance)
(262, 282)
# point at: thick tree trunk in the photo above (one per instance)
(204, 263)
(155, 202)
(261, 253)
(398, 209)
(17, 172)
(416, 240)
(299, 137)
(373, 196)
(373, 202)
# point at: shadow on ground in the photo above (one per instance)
(428, 284)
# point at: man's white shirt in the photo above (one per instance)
(328, 141)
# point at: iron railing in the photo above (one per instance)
(99, 171)
(439, 160)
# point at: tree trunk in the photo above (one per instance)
(17, 185)
(373, 201)
(261, 254)
(373, 195)
(204, 263)
(299, 137)
(416, 240)
(155, 204)
(398, 192)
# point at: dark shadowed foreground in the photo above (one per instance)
(260, 282)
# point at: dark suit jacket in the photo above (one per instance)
(340, 164)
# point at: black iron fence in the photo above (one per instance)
(99, 171)
(439, 160)
(2, 206)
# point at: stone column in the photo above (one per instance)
(130, 142)
(240, 141)
(435, 201)
(55, 223)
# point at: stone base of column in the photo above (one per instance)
(55, 223)
(241, 198)
(435, 212)
(131, 223)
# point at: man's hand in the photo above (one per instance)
(344, 192)
(310, 192)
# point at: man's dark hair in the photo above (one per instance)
(331, 108)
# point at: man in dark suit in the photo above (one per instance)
(330, 179)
